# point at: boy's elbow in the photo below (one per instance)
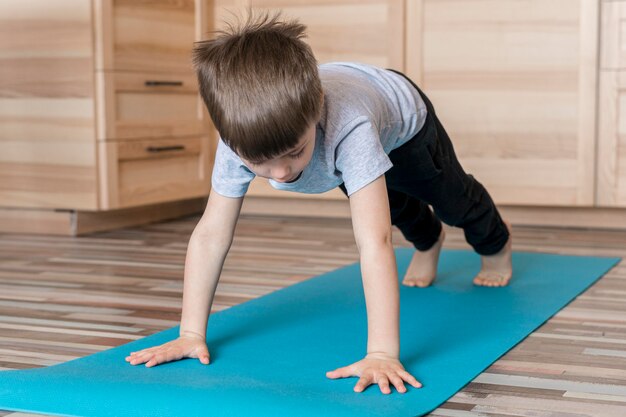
(208, 237)
(375, 241)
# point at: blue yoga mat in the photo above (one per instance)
(270, 355)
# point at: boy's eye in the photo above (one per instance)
(297, 155)
(292, 156)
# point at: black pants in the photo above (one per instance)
(427, 172)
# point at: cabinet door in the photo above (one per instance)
(513, 82)
(612, 106)
(613, 29)
(153, 36)
(47, 128)
(612, 139)
(369, 31)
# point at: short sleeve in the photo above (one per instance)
(360, 156)
(231, 177)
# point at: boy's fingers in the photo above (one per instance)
(204, 355)
(397, 382)
(333, 374)
(363, 383)
(383, 384)
(410, 379)
(166, 353)
(141, 358)
(156, 360)
(141, 354)
(344, 372)
(201, 351)
(137, 361)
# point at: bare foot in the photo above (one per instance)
(423, 267)
(496, 269)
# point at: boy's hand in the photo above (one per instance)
(379, 369)
(186, 346)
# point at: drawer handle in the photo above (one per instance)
(159, 83)
(157, 149)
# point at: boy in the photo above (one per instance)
(367, 130)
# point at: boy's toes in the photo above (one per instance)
(492, 280)
(417, 282)
(423, 284)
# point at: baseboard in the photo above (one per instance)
(73, 223)
(22, 220)
(588, 217)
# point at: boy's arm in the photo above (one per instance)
(208, 246)
(372, 230)
(371, 221)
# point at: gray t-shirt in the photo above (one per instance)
(367, 113)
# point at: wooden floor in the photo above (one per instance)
(63, 298)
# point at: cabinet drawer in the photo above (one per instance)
(155, 35)
(613, 35)
(147, 105)
(153, 171)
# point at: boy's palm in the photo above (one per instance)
(183, 347)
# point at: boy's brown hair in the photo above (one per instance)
(260, 83)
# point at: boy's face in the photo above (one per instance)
(288, 166)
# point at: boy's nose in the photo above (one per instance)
(281, 173)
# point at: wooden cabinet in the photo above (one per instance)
(99, 105)
(152, 133)
(370, 31)
(514, 83)
(611, 173)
